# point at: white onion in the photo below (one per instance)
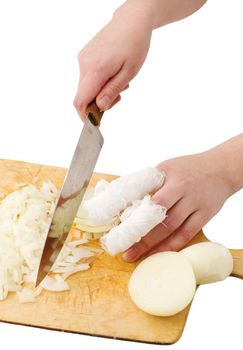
(24, 219)
(26, 295)
(77, 242)
(93, 236)
(56, 284)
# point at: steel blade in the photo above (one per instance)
(72, 192)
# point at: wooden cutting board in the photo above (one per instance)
(98, 302)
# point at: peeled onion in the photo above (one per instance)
(163, 284)
(24, 219)
(211, 262)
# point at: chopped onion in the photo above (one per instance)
(20, 184)
(37, 290)
(87, 195)
(78, 268)
(24, 219)
(26, 295)
(76, 233)
(93, 228)
(77, 242)
(70, 270)
(56, 284)
(80, 253)
(93, 236)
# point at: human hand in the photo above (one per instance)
(113, 57)
(195, 189)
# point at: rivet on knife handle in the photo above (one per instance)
(94, 114)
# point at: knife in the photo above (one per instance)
(76, 181)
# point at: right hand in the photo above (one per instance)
(113, 57)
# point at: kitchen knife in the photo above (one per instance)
(76, 181)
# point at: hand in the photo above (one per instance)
(195, 189)
(113, 57)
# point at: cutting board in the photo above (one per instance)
(98, 302)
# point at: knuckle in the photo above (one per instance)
(208, 212)
(165, 165)
(85, 61)
(184, 182)
(187, 235)
(157, 198)
(168, 246)
(170, 224)
(140, 248)
(99, 65)
(77, 103)
(114, 89)
(145, 246)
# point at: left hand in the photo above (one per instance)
(195, 189)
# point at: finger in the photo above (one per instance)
(81, 107)
(88, 89)
(182, 235)
(116, 101)
(126, 87)
(112, 89)
(167, 196)
(176, 216)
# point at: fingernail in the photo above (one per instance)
(130, 255)
(104, 103)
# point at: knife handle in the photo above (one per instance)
(94, 114)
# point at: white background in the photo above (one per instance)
(186, 99)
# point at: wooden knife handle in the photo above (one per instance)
(94, 114)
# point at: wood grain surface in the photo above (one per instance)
(98, 302)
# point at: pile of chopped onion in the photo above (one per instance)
(24, 219)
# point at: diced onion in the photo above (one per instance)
(56, 284)
(24, 219)
(26, 295)
(93, 236)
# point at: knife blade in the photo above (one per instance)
(76, 181)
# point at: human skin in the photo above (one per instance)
(116, 54)
(196, 186)
(195, 189)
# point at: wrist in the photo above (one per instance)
(139, 10)
(229, 169)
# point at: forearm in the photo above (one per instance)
(230, 157)
(162, 12)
